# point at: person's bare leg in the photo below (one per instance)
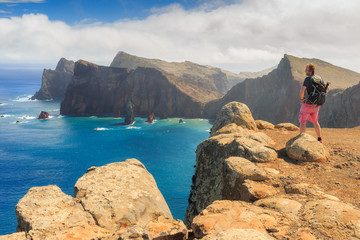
(317, 129)
(302, 127)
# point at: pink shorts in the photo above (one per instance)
(308, 112)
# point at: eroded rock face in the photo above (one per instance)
(49, 208)
(55, 82)
(121, 194)
(305, 147)
(226, 166)
(234, 112)
(99, 90)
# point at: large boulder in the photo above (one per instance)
(234, 112)
(49, 208)
(121, 194)
(287, 126)
(261, 124)
(305, 147)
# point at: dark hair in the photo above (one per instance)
(311, 68)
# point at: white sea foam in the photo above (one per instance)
(101, 129)
(132, 127)
(5, 116)
(24, 98)
(27, 117)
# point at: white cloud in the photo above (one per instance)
(248, 35)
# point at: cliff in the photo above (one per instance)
(55, 82)
(342, 108)
(106, 90)
(275, 96)
(273, 183)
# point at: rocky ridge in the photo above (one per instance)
(275, 97)
(188, 73)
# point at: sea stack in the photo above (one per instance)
(130, 116)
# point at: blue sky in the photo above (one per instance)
(76, 11)
(236, 35)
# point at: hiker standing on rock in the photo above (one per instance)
(312, 96)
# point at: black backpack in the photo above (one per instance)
(317, 91)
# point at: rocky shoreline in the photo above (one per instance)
(244, 187)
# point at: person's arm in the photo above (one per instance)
(302, 92)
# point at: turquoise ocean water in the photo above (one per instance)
(59, 150)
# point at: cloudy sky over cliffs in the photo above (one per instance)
(237, 35)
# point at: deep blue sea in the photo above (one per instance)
(59, 150)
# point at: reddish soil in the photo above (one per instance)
(338, 176)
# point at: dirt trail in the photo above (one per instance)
(339, 176)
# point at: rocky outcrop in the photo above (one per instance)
(234, 112)
(98, 90)
(220, 177)
(43, 115)
(55, 82)
(275, 96)
(224, 215)
(121, 194)
(116, 201)
(305, 148)
(234, 194)
(49, 208)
